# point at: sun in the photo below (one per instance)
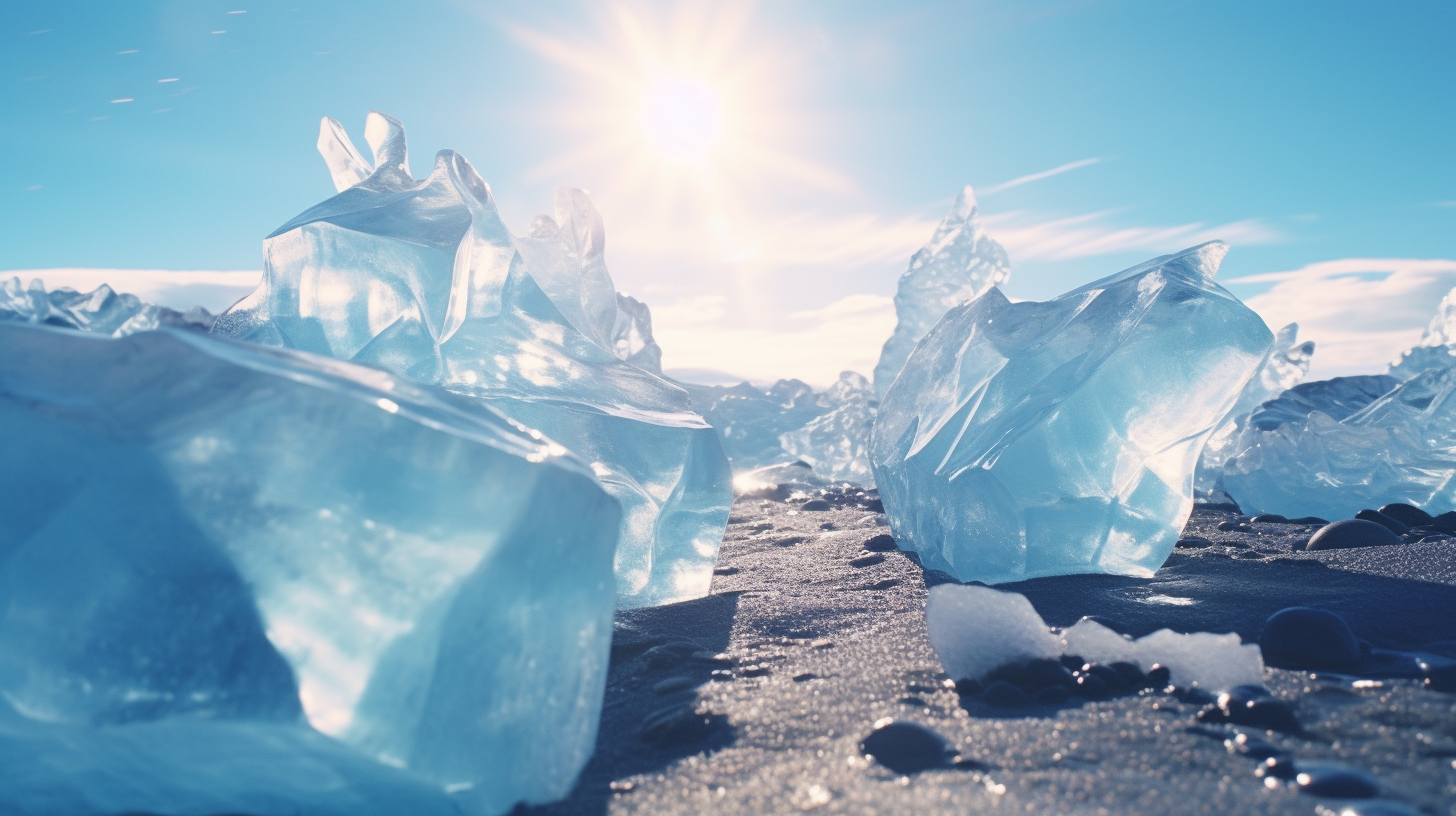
(682, 117)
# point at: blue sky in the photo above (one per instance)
(1316, 137)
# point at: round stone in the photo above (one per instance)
(1335, 781)
(1352, 533)
(1303, 638)
(816, 504)
(1408, 515)
(904, 748)
(1385, 521)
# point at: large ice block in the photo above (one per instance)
(1027, 439)
(422, 278)
(101, 310)
(752, 420)
(1286, 365)
(959, 263)
(1333, 448)
(836, 443)
(205, 542)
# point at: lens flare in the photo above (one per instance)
(683, 117)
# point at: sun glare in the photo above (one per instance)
(683, 117)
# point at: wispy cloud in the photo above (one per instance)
(813, 345)
(1361, 312)
(1029, 178)
(212, 289)
(1091, 234)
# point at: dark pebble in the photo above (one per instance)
(912, 701)
(1445, 521)
(889, 583)
(1227, 526)
(1303, 638)
(1352, 533)
(874, 506)
(1310, 520)
(1132, 676)
(1159, 677)
(1408, 515)
(1002, 693)
(1072, 662)
(1092, 687)
(1279, 766)
(790, 541)
(1270, 518)
(805, 677)
(868, 560)
(756, 670)
(1252, 706)
(1440, 678)
(1252, 747)
(725, 570)
(816, 504)
(905, 748)
(880, 543)
(1034, 675)
(1336, 781)
(1383, 520)
(1052, 695)
(967, 687)
(1193, 542)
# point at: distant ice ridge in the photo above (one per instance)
(1027, 439)
(1285, 367)
(1437, 347)
(958, 265)
(789, 421)
(101, 310)
(207, 541)
(1332, 448)
(975, 630)
(422, 278)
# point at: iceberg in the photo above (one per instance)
(354, 591)
(1029, 439)
(752, 421)
(958, 265)
(976, 630)
(1332, 448)
(836, 443)
(101, 310)
(1284, 368)
(1437, 346)
(422, 278)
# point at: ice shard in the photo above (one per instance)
(632, 335)
(958, 264)
(1333, 448)
(1027, 439)
(752, 420)
(1437, 346)
(422, 278)
(1286, 365)
(836, 443)
(216, 552)
(101, 310)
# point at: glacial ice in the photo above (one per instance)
(1332, 448)
(975, 630)
(1027, 439)
(1284, 368)
(752, 420)
(836, 443)
(207, 541)
(957, 265)
(101, 310)
(423, 279)
(1437, 346)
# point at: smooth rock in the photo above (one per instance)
(905, 748)
(1336, 781)
(1352, 533)
(1408, 515)
(880, 543)
(1304, 638)
(1397, 527)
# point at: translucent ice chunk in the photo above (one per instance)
(101, 310)
(1027, 439)
(1210, 661)
(957, 266)
(836, 443)
(752, 420)
(422, 278)
(1332, 448)
(1286, 365)
(204, 540)
(1437, 346)
(632, 335)
(976, 630)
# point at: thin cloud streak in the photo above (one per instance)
(1027, 179)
